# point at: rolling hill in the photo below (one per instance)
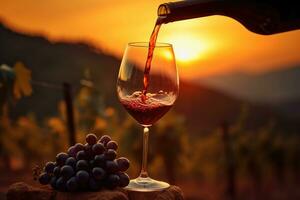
(278, 86)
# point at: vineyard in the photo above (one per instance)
(228, 152)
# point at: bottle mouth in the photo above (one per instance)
(163, 10)
(146, 44)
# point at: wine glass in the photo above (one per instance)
(147, 96)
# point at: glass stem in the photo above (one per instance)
(144, 173)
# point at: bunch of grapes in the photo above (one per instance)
(88, 167)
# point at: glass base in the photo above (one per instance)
(146, 185)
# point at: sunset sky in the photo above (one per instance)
(203, 46)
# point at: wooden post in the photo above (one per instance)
(229, 162)
(67, 88)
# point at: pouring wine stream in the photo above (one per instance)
(151, 48)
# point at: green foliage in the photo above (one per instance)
(7, 76)
(14, 140)
(259, 154)
(14, 82)
(24, 142)
(22, 85)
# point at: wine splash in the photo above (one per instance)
(151, 48)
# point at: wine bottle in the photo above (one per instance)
(260, 16)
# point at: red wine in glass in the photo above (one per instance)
(146, 112)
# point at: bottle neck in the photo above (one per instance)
(181, 10)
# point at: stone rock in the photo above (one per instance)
(101, 195)
(23, 191)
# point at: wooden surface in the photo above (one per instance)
(23, 191)
(172, 193)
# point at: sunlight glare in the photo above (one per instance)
(187, 47)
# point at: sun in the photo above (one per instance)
(187, 47)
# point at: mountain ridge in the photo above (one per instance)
(273, 87)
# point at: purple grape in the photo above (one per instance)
(104, 139)
(110, 154)
(81, 155)
(72, 151)
(44, 178)
(56, 171)
(98, 173)
(72, 184)
(94, 185)
(61, 184)
(82, 165)
(111, 166)
(88, 151)
(79, 147)
(71, 162)
(99, 160)
(91, 139)
(123, 164)
(88, 166)
(112, 181)
(98, 148)
(82, 177)
(53, 182)
(61, 158)
(124, 179)
(66, 171)
(112, 145)
(49, 167)
(92, 164)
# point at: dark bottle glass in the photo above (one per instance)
(260, 16)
